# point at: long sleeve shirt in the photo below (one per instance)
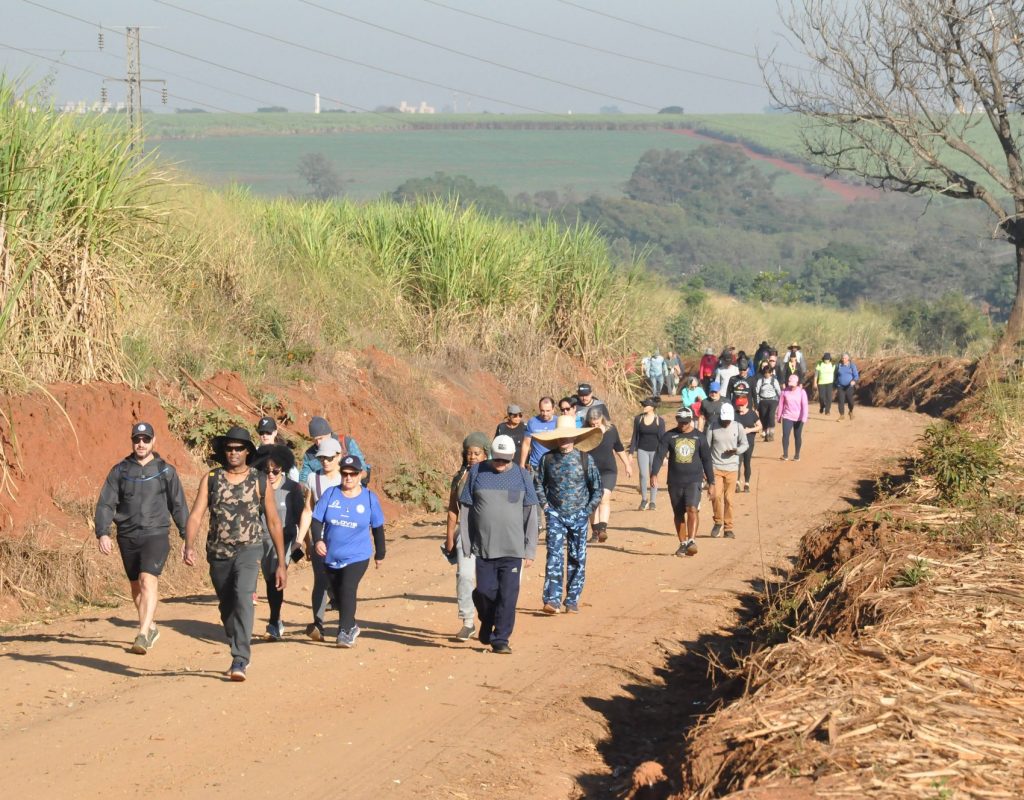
(724, 439)
(793, 405)
(847, 374)
(141, 499)
(562, 483)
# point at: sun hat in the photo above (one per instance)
(727, 413)
(234, 434)
(328, 448)
(709, 352)
(826, 357)
(565, 428)
(503, 448)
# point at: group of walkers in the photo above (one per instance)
(555, 471)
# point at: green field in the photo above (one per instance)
(373, 162)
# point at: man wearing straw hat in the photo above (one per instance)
(569, 489)
(235, 493)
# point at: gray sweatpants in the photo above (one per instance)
(234, 580)
(465, 583)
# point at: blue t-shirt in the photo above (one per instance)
(534, 425)
(348, 522)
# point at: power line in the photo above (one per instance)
(585, 46)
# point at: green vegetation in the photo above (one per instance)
(914, 573)
(935, 326)
(959, 461)
(417, 486)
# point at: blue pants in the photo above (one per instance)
(566, 533)
(495, 596)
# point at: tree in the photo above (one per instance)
(949, 323)
(907, 93)
(671, 110)
(318, 171)
(459, 188)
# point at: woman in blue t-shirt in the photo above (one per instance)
(344, 519)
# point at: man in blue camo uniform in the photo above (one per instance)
(569, 490)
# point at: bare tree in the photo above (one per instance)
(911, 95)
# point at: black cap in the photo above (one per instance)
(266, 425)
(143, 429)
(584, 389)
(350, 463)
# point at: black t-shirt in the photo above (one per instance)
(748, 419)
(710, 409)
(646, 437)
(604, 453)
(518, 433)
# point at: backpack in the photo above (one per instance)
(261, 484)
(773, 384)
(124, 480)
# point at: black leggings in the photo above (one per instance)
(825, 398)
(844, 396)
(798, 436)
(344, 585)
(766, 411)
(744, 467)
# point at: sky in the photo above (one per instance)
(703, 53)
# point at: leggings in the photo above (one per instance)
(344, 583)
(825, 398)
(645, 460)
(844, 396)
(766, 411)
(744, 467)
(798, 436)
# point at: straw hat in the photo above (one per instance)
(565, 428)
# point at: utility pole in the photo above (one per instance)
(133, 81)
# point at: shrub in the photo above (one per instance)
(959, 462)
(417, 486)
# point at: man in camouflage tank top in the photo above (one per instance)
(236, 495)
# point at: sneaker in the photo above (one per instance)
(642, 506)
(237, 671)
(141, 645)
(841, 415)
(502, 649)
(348, 638)
(687, 548)
(315, 632)
(572, 608)
(851, 415)
(602, 535)
(729, 535)
(746, 488)
(796, 458)
(595, 537)
(466, 633)
(484, 637)
(154, 634)
(551, 608)
(783, 458)
(275, 631)
(716, 530)
(652, 507)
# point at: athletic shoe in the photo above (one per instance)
(154, 634)
(501, 649)
(275, 631)
(551, 608)
(315, 632)
(595, 537)
(841, 417)
(796, 458)
(237, 671)
(466, 633)
(141, 645)
(729, 535)
(851, 415)
(716, 530)
(687, 548)
(602, 535)
(642, 506)
(348, 638)
(652, 507)
(484, 637)
(783, 458)
(571, 609)
(746, 488)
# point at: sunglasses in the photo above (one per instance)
(235, 448)
(326, 458)
(349, 474)
(515, 415)
(137, 439)
(275, 471)
(565, 408)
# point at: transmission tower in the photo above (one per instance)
(133, 81)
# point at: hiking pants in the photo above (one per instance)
(465, 582)
(725, 488)
(766, 411)
(657, 382)
(644, 461)
(798, 435)
(844, 396)
(234, 580)
(344, 585)
(825, 398)
(567, 534)
(321, 589)
(495, 596)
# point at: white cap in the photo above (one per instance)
(727, 413)
(503, 448)
(328, 448)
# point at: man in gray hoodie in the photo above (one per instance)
(498, 523)
(728, 441)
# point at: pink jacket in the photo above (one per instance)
(792, 405)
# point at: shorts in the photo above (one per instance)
(608, 480)
(683, 497)
(143, 554)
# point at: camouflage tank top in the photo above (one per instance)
(234, 515)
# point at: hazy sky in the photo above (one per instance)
(743, 26)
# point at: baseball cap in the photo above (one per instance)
(350, 463)
(142, 429)
(266, 425)
(715, 386)
(684, 414)
(584, 389)
(328, 448)
(318, 426)
(728, 413)
(503, 448)
(513, 409)
(740, 400)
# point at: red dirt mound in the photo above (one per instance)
(931, 385)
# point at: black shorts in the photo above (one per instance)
(143, 554)
(683, 497)
(608, 480)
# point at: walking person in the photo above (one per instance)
(348, 528)
(279, 463)
(498, 524)
(792, 413)
(567, 408)
(689, 465)
(824, 378)
(513, 427)
(673, 372)
(692, 396)
(320, 431)
(656, 372)
(269, 435)
(544, 420)
(712, 405)
(141, 495)
(727, 370)
(793, 366)
(706, 368)
(235, 493)
(728, 441)
(476, 448)
(329, 456)
(568, 487)
(604, 455)
(767, 391)
(648, 428)
(846, 378)
(747, 419)
(586, 402)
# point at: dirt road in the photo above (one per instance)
(409, 712)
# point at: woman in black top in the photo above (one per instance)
(751, 424)
(604, 459)
(648, 428)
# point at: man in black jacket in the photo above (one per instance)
(141, 495)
